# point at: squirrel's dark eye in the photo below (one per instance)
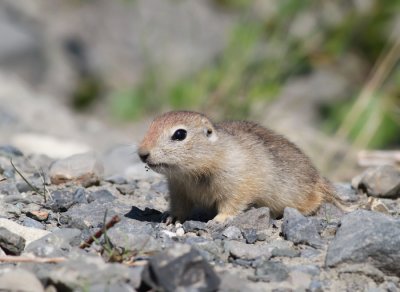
(179, 135)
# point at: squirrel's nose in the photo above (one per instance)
(144, 155)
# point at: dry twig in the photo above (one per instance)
(24, 259)
(114, 220)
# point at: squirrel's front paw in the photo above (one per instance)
(169, 219)
(221, 218)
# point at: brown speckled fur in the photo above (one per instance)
(240, 164)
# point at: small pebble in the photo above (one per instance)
(180, 231)
(232, 232)
(38, 215)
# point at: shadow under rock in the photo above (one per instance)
(146, 215)
(153, 215)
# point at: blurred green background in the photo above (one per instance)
(264, 53)
(324, 73)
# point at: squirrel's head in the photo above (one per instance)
(179, 142)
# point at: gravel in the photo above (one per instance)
(327, 251)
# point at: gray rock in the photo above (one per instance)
(28, 233)
(80, 196)
(315, 286)
(346, 192)
(180, 267)
(134, 235)
(256, 218)
(250, 235)
(209, 249)
(194, 226)
(23, 187)
(61, 200)
(367, 237)
(282, 248)
(9, 173)
(90, 270)
(300, 229)
(101, 196)
(56, 244)
(309, 269)
(247, 251)
(10, 242)
(93, 214)
(85, 169)
(381, 182)
(29, 222)
(271, 271)
(10, 151)
(20, 280)
(285, 252)
(8, 188)
(17, 198)
(232, 232)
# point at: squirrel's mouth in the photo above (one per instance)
(158, 167)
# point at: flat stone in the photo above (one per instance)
(300, 229)
(313, 270)
(256, 218)
(101, 196)
(271, 271)
(134, 235)
(232, 232)
(29, 222)
(346, 192)
(17, 198)
(209, 249)
(20, 280)
(285, 252)
(61, 200)
(93, 213)
(247, 251)
(85, 169)
(8, 188)
(180, 267)
(28, 233)
(91, 270)
(367, 237)
(55, 244)
(194, 226)
(380, 182)
(10, 242)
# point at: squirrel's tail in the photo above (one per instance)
(332, 197)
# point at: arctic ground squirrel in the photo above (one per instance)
(231, 166)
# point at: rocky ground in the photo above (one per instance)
(50, 208)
